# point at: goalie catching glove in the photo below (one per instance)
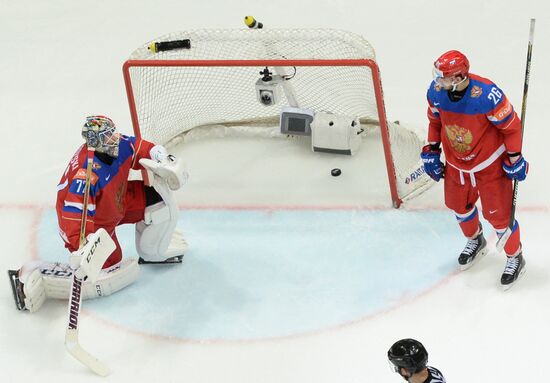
(165, 166)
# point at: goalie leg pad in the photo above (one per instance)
(34, 291)
(37, 281)
(109, 281)
(156, 236)
(31, 295)
(27, 286)
(113, 279)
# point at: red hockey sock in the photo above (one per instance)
(513, 244)
(469, 222)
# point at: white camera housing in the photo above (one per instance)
(296, 121)
(269, 92)
(334, 133)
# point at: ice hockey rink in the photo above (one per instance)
(292, 275)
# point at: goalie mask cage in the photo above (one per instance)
(213, 83)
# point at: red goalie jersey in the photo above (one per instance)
(113, 199)
(475, 129)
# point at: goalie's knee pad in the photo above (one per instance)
(156, 236)
(53, 280)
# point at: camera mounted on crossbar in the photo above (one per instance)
(268, 88)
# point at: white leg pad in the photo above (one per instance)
(110, 280)
(33, 288)
(177, 245)
(156, 236)
(42, 280)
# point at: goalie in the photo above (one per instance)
(113, 200)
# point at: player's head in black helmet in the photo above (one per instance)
(408, 357)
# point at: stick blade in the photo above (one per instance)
(503, 239)
(83, 356)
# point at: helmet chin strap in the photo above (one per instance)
(456, 84)
(404, 376)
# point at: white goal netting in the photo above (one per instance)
(213, 84)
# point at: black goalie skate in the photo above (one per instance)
(169, 261)
(475, 249)
(17, 289)
(515, 267)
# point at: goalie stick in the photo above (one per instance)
(506, 235)
(71, 335)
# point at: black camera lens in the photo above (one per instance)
(266, 97)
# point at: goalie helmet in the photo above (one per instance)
(409, 354)
(100, 133)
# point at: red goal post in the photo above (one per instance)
(212, 83)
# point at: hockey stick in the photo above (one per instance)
(71, 335)
(508, 232)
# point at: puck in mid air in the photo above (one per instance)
(335, 172)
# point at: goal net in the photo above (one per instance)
(212, 83)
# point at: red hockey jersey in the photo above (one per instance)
(475, 130)
(107, 200)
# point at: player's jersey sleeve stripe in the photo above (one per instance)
(501, 113)
(91, 207)
(75, 207)
(74, 210)
(62, 186)
(509, 122)
(75, 218)
(434, 110)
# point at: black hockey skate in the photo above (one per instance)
(17, 289)
(515, 267)
(168, 261)
(475, 249)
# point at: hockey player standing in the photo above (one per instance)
(113, 201)
(409, 358)
(480, 134)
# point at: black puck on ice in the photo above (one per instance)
(335, 172)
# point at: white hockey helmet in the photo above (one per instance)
(100, 133)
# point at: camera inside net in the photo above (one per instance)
(268, 92)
